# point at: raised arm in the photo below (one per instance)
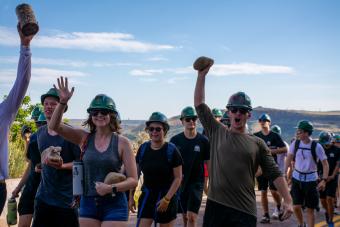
(73, 135)
(200, 86)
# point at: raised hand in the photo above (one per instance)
(64, 93)
(25, 40)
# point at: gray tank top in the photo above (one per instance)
(98, 164)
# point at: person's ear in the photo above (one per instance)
(249, 115)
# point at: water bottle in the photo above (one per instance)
(11, 211)
(78, 178)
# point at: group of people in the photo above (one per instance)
(174, 172)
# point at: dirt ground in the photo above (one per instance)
(11, 184)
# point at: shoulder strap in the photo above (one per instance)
(170, 151)
(83, 146)
(296, 147)
(142, 151)
(313, 150)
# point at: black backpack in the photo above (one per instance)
(312, 149)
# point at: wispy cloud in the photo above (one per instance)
(42, 75)
(221, 70)
(157, 59)
(64, 62)
(249, 69)
(99, 42)
(174, 80)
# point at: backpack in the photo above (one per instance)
(312, 149)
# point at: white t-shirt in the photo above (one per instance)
(304, 162)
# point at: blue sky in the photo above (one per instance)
(283, 54)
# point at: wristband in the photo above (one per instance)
(166, 199)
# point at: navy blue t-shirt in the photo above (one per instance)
(273, 141)
(194, 152)
(333, 156)
(55, 188)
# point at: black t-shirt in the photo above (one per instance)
(194, 152)
(156, 168)
(273, 141)
(333, 156)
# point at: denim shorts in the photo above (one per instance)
(104, 208)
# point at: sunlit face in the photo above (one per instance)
(238, 118)
(100, 117)
(264, 124)
(156, 132)
(50, 103)
(301, 135)
(189, 123)
(218, 118)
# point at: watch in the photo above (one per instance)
(114, 191)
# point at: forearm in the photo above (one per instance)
(129, 183)
(67, 166)
(55, 122)
(281, 185)
(325, 168)
(174, 187)
(279, 150)
(199, 96)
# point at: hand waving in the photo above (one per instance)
(64, 93)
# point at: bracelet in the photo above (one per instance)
(166, 200)
(62, 103)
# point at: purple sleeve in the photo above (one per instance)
(9, 107)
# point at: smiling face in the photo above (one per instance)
(100, 117)
(156, 132)
(265, 124)
(238, 118)
(50, 103)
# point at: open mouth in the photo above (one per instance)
(237, 120)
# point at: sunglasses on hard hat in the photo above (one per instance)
(188, 119)
(102, 112)
(157, 129)
(237, 109)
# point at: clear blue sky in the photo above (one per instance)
(284, 54)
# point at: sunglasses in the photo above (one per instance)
(157, 129)
(188, 119)
(236, 109)
(96, 112)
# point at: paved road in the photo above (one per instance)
(291, 222)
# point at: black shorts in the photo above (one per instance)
(147, 205)
(305, 193)
(3, 195)
(52, 216)
(263, 182)
(191, 198)
(218, 215)
(330, 189)
(26, 201)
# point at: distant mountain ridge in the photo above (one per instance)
(286, 119)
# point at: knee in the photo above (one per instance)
(191, 217)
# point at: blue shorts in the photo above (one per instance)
(105, 208)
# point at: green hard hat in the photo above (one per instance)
(265, 117)
(36, 112)
(188, 112)
(158, 117)
(336, 138)
(102, 101)
(217, 112)
(241, 100)
(41, 118)
(225, 119)
(305, 125)
(276, 129)
(325, 138)
(51, 93)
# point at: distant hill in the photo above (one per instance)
(286, 119)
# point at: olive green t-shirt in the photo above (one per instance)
(234, 159)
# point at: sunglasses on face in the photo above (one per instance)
(157, 129)
(96, 112)
(236, 109)
(188, 119)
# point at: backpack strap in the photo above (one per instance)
(296, 147)
(170, 151)
(83, 146)
(140, 157)
(313, 150)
